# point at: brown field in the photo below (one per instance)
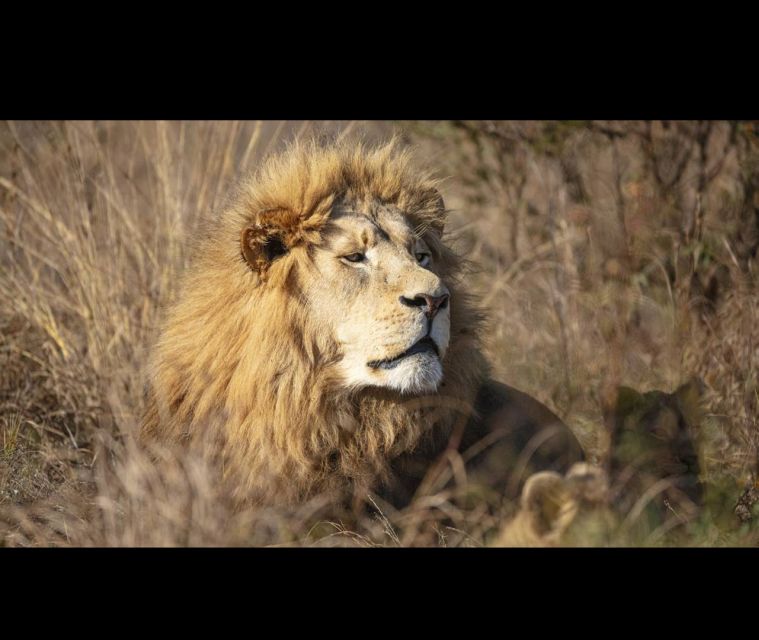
(607, 254)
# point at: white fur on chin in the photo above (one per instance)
(421, 373)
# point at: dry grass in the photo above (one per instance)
(609, 253)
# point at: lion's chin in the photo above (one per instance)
(419, 373)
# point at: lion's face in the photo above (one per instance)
(314, 300)
(376, 285)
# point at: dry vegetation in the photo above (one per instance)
(609, 254)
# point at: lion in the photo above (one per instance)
(556, 510)
(654, 463)
(324, 340)
(646, 491)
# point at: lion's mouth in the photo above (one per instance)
(425, 345)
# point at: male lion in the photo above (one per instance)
(324, 341)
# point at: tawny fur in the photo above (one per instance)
(550, 503)
(240, 365)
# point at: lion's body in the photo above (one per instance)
(256, 357)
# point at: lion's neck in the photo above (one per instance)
(339, 443)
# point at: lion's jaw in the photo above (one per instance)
(387, 334)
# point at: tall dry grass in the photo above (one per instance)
(608, 253)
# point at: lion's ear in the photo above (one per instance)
(261, 246)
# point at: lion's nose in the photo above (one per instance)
(430, 304)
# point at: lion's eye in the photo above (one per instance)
(423, 258)
(355, 257)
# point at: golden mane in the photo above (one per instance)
(284, 427)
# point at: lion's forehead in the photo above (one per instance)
(369, 225)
